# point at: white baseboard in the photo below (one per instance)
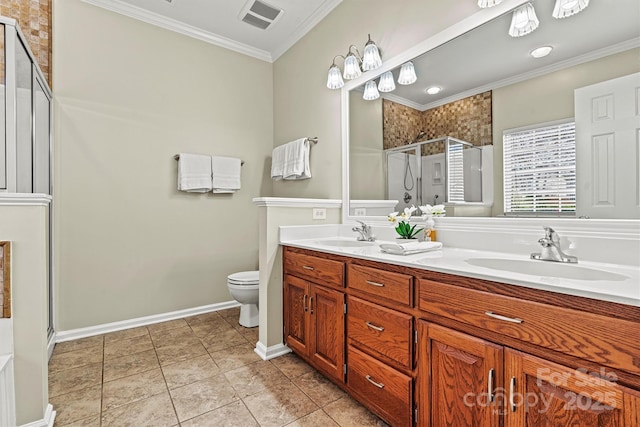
(268, 353)
(47, 421)
(74, 334)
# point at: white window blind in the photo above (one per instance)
(456, 173)
(540, 169)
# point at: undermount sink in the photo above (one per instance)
(345, 243)
(546, 268)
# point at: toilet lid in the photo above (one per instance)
(244, 277)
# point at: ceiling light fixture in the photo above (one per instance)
(407, 74)
(433, 90)
(524, 21)
(386, 82)
(354, 64)
(541, 51)
(370, 91)
(566, 8)
(488, 3)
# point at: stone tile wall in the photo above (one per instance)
(5, 285)
(469, 119)
(34, 18)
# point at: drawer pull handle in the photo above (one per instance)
(304, 303)
(374, 327)
(311, 304)
(379, 385)
(512, 402)
(306, 267)
(490, 386)
(380, 285)
(505, 318)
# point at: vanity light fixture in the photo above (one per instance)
(433, 90)
(386, 82)
(488, 3)
(541, 51)
(354, 64)
(524, 21)
(407, 74)
(566, 8)
(370, 91)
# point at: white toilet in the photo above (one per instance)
(243, 287)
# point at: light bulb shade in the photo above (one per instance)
(407, 74)
(386, 82)
(566, 8)
(371, 58)
(370, 91)
(334, 78)
(524, 21)
(351, 67)
(488, 3)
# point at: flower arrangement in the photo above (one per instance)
(401, 221)
(437, 210)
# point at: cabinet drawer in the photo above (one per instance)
(391, 286)
(604, 340)
(385, 333)
(385, 390)
(320, 270)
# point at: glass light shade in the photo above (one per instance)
(407, 74)
(386, 82)
(351, 67)
(370, 91)
(371, 58)
(488, 3)
(524, 21)
(434, 90)
(541, 51)
(566, 8)
(334, 78)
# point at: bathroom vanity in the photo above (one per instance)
(421, 346)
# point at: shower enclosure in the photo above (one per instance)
(25, 128)
(441, 170)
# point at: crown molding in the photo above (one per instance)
(404, 101)
(152, 18)
(306, 26)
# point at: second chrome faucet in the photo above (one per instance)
(551, 250)
(365, 234)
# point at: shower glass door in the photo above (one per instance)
(404, 171)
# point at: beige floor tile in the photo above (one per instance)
(77, 405)
(165, 326)
(234, 414)
(230, 312)
(314, 419)
(279, 405)
(202, 396)
(155, 411)
(179, 352)
(235, 357)
(203, 318)
(318, 388)
(127, 346)
(133, 388)
(74, 359)
(255, 377)
(74, 379)
(205, 330)
(87, 422)
(79, 344)
(291, 365)
(251, 334)
(162, 337)
(219, 340)
(126, 333)
(129, 365)
(349, 413)
(190, 371)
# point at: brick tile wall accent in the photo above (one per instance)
(34, 18)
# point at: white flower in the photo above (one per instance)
(439, 210)
(392, 217)
(426, 210)
(406, 215)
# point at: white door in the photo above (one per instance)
(608, 148)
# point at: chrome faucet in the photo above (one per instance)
(365, 233)
(551, 250)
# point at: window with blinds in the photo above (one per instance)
(540, 170)
(456, 173)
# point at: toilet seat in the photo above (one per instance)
(244, 278)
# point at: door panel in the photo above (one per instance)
(327, 330)
(296, 294)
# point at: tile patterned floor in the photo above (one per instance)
(200, 371)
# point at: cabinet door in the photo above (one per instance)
(296, 306)
(459, 377)
(543, 393)
(326, 308)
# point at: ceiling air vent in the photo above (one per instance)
(259, 14)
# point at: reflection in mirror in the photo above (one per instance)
(491, 85)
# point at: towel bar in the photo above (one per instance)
(177, 157)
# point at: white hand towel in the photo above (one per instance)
(194, 173)
(410, 248)
(226, 174)
(277, 162)
(296, 163)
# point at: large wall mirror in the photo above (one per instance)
(413, 147)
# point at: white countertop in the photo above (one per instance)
(607, 282)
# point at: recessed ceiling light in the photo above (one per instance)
(541, 51)
(433, 90)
